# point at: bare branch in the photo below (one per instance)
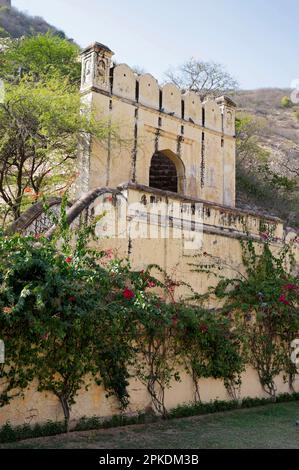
(204, 78)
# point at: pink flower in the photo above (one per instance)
(151, 284)
(128, 294)
(290, 287)
(109, 253)
(282, 299)
(37, 236)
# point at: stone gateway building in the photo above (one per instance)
(173, 164)
(179, 144)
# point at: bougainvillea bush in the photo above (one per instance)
(264, 301)
(72, 316)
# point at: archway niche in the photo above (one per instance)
(167, 172)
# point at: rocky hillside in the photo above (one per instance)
(280, 125)
(278, 135)
(14, 23)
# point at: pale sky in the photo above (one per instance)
(256, 40)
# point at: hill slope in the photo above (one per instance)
(14, 23)
(278, 135)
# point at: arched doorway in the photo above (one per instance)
(166, 172)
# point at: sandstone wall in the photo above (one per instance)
(221, 229)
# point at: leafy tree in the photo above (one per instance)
(39, 132)
(41, 120)
(36, 58)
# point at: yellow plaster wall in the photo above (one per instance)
(171, 255)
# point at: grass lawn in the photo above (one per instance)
(271, 426)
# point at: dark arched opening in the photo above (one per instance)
(163, 173)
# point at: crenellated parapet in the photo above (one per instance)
(99, 72)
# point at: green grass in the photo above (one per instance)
(267, 427)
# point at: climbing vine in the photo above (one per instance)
(72, 316)
(263, 302)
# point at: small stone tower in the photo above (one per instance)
(96, 64)
(5, 3)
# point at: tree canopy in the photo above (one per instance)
(41, 120)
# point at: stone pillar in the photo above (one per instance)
(228, 144)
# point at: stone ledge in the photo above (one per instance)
(183, 198)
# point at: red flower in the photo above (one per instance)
(290, 287)
(68, 259)
(128, 294)
(283, 299)
(175, 320)
(151, 284)
(72, 299)
(109, 253)
(37, 236)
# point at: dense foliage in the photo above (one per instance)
(71, 317)
(36, 58)
(41, 121)
(263, 302)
